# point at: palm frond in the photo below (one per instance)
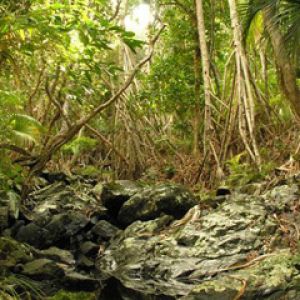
(285, 16)
(25, 128)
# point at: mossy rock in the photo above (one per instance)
(13, 252)
(274, 277)
(114, 194)
(152, 202)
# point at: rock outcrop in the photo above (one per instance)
(237, 248)
(127, 240)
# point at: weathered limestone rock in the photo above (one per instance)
(58, 230)
(275, 277)
(42, 269)
(102, 231)
(113, 195)
(33, 235)
(171, 247)
(52, 268)
(58, 255)
(77, 281)
(208, 254)
(152, 202)
(89, 248)
(59, 197)
(64, 226)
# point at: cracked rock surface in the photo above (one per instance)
(211, 254)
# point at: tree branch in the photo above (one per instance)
(117, 10)
(127, 83)
(107, 142)
(63, 137)
(15, 148)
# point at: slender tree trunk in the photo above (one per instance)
(244, 90)
(264, 70)
(205, 71)
(197, 115)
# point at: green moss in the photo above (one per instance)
(275, 271)
(13, 252)
(91, 171)
(65, 295)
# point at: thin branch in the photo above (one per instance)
(16, 149)
(107, 142)
(56, 103)
(32, 95)
(117, 10)
(127, 83)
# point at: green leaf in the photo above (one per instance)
(25, 128)
(14, 203)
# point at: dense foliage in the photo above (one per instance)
(61, 60)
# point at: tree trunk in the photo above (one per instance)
(205, 71)
(287, 71)
(197, 115)
(244, 90)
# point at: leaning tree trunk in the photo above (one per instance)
(287, 71)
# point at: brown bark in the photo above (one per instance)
(16, 149)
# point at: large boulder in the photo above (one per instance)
(225, 253)
(151, 202)
(274, 277)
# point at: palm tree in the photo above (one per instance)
(282, 24)
(283, 15)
